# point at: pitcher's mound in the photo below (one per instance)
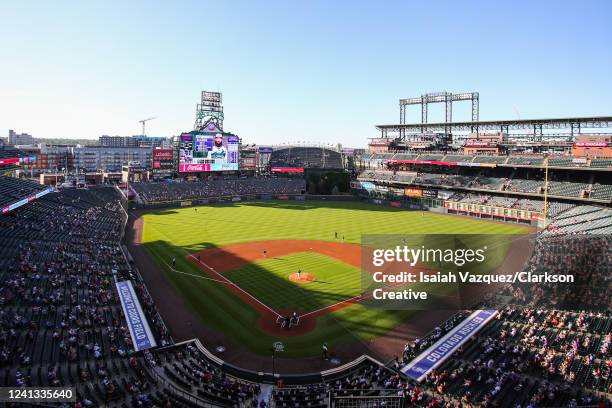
(304, 277)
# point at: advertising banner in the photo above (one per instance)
(397, 192)
(287, 170)
(591, 144)
(478, 144)
(429, 193)
(142, 338)
(382, 189)
(442, 349)
(248, 163)
(163, 160)
(413, 192)
(13, 160)
(26, 200)
(366, 185)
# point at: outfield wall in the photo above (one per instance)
(240, 198)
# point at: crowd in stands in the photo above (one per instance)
(580, 220)
(531, 357)
(61, 321)
(187, 366)
(586, 257)
(217, 187)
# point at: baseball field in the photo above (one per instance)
(244, 267)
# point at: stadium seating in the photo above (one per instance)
(13, 190)
(601, 192)
(458, 158)
(566, 189)
(506, 202)
(172, 191)
(490, 159)
(525, 160)
(188, 368)
(580, 220)
(601, 163)
(434, 157)
(488, 183)
(404, 156)
(469, 198)
(517, 359)
(381, 175)
(61, 321)
(524, 186)
(564, 162)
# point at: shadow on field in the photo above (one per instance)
(275, 291)
(213, 303)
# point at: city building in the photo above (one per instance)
(102, 158)
(19, 138)
(134, 141)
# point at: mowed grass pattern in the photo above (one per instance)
(268, 281)
(179, 232)
(256, 221)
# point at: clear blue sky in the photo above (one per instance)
(290, 71)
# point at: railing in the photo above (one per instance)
(174, 388)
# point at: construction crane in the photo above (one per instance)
(145, 121)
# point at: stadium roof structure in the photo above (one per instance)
(575, 124)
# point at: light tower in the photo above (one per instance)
(209, 110)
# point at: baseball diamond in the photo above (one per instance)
(236, 269)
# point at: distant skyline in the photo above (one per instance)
(295, 71)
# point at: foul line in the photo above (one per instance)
(330, 306)
(194, 275)
(229, 282)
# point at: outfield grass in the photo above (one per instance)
(179, 232)
(267, 281)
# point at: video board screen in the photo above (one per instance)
(208, 151)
